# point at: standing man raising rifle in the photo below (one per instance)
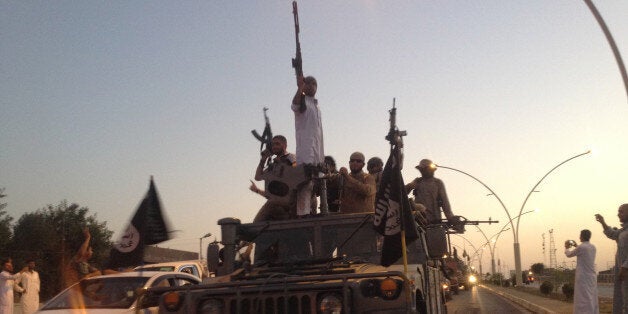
(308, 126)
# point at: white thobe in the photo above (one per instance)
(585, 288)
(309, 132)
(30, 292)
(6, 291)
(309, 137)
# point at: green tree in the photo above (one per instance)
(5, 226)
(52, 235)
(537, 268)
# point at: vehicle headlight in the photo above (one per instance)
(445, 286)
(212, 306)
(330, 304)
(172, 301)
(389, 288)
(472, 279)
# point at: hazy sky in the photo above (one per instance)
(99, 96)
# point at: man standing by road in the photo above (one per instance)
(7, 282)
(309, 135)
(585, 288)
(620, 291)
(30, 289)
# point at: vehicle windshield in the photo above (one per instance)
(114, 293)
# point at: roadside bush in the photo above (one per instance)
(506, 283)
(546, 287)
(568, 290)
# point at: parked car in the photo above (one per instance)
(115, 293)
(193, 267)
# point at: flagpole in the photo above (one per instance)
(396, 143)
(404, 252)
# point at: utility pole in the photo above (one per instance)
(553, 263)
(543, 245)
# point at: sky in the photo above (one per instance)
(97, 97)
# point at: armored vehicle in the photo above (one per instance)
(322, 264)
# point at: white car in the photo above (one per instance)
(194, 267)
(116, 293)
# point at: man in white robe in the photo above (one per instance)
(585, 299)
(309, 135)
(7, 281)
(30, 285)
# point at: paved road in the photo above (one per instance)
(479, 300)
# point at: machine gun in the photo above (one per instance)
(297, 62)
(266, 137)
(457, 225)
(437, 235)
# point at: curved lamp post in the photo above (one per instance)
(515, 230)
(516, 244)
(496, 236)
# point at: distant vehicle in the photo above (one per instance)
(446, 291)
(472, 280)
(193, 267)
(116, 293)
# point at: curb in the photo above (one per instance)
(527, 304)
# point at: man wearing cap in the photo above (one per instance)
(358, 188)
(309, 135)
(375, 167)
(430, 192)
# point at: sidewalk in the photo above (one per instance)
(534, 303)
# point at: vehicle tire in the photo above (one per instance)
(421, 305)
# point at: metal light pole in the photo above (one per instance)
(516, 243)
(473, 246)
(496, 236)
(515, 230)
(200, 245)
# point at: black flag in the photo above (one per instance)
(392, 208)
(147, 227)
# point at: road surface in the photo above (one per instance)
(479, 300)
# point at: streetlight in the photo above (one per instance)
(516, 244)
(496, 236)
(473, 246)
(515, 230)
(200, 245)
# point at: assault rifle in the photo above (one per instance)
(297, 62)
(395, 137)
(266, 137)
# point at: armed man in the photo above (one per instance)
(430, 192)
(273, 210)
(307, 123)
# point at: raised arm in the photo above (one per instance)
(82, 252)
(297, 100)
